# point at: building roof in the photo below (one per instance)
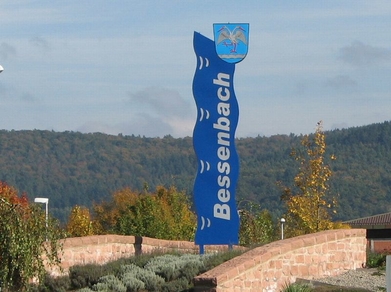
(381, 221)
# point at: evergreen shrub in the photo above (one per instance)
(149, 272)
(175, 286)
(376, 260)
(110, 283)
(131, 282)
(217, 259)
(86, 276)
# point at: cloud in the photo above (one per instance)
(28, 97)
(140, 124)
(155, 112)
(341, 82)
(336, 126)
(40, 42)
(6, 51)
(360, 54)
(162, 101)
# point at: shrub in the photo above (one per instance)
(86, 276)
(51, 284)
(375, 260)
(175, 286)
(58, 284)
(110, 283)
(152, 282)
(143, 272)
(296, 288)
(217, 259)
(132, 283)
(164, 266)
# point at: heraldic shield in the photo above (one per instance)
(231, 41)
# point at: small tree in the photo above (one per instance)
(165, 214)
(79, 222)
(308, 204)
(256, 227)
(27, 241)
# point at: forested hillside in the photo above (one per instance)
(72, 168)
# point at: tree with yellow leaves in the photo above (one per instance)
(79, 222)
(309, 204)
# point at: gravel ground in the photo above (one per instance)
(370, 279)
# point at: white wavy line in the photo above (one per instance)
(207, 114)
(207, 166)
(208, 222)
(202, 114)
(201, 63)
(202, 166)
(207, 62)
(203, 223)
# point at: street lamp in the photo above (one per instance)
(46, 202)
(282, 220)
(1, 69)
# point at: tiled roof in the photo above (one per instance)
(381, 221)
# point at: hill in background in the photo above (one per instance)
(72, 168)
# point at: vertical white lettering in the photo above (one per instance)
(222, 211)
(219, 81)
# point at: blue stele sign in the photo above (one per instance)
(214, 145)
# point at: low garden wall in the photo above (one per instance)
(100, 249)
(272, 266)
(266, 268)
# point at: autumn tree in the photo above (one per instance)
(27, 241)
(256, 226)
(107, 213)
(79, 222)
(164, 214)
(309, 205)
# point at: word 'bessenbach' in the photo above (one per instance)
(222, 211)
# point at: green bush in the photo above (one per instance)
(86, 276)
(375, 260)
(219, 258)
(175, 286)
(132, 283)
(58, 284)
(149, 272)
(151, 281)
(52, 284)
(296, 288)
(110, 283)
(166, 266)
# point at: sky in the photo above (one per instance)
(127, 66)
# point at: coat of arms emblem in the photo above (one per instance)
(231, 41)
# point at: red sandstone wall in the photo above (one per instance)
(266, 268)
(272, 266)
(100, 249)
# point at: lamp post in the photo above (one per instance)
(46, 202)
(282, 220)
(1, 69)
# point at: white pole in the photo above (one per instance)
(46, 202)
(47, 214)
(282, 227)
